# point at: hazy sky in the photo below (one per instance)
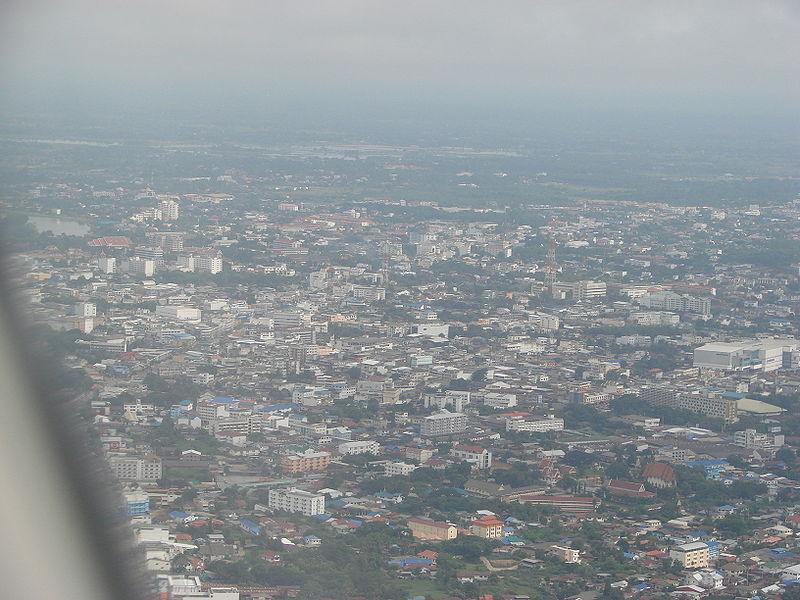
(725, 50)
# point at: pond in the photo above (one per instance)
(58, 226)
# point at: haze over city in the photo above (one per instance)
(400, 300)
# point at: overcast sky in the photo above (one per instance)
(724, 49)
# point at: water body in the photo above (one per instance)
(58, 226)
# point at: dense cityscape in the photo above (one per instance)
(320, 375)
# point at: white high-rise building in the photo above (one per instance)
(141, 266)
(107, 264)
(85, 309)
(170, 210)
(208, 263)
(297, 501)
(443, 423)
(186, 262)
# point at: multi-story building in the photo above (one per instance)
(670, 301)
(170, 209)
(480, 458)
(359, 447)
(568, 555)
(306, 462)
(654, 318)
(751, 438)
(751, 355)
(691, 556)
(707, 402)
(140, 266)
(107, 264)
(498, 400)
(544, 322)
(579, 290)
(451, 399)
(208, 263)
(137, 503)
(136, 468)
(564, 503)
(488, 527)
(296, 501)
(443, 423)
(369, 293)
(550, 423)
(179, 313)
(398, 469)
(85, 309)
(427, 529)
(431, 330)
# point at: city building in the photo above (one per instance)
(751, 438)
(305, 462)
(714, 403)
(693, 555)
(296, 501)
(398, 469)
(137, 503)
(534, 425)
(443, 423)
(568, 555)
(359, 447)
(136, 468)
(488, 527)
(427, 529)
(480, 458)
(751, 355)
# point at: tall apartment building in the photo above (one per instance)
(107, 264)
(544, 322)
(85, 309)
(169, 241)
(208, 263)
(706, 402)
(170, 209)
(670, 301)
(369, 293)
(136, 468)
(305, 462)
(443, 423)
(579, 290)
(296, 501)
(140, 266)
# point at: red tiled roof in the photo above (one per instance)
(661, 471)
(625, 485)
(469, 448)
